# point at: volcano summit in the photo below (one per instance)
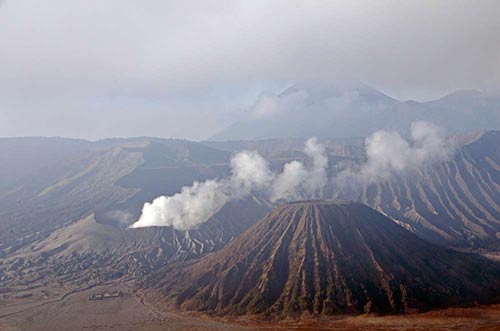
(328, 257)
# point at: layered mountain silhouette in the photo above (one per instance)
(328, 257)
(357, 110)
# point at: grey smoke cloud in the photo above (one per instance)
(249, 172)
(119, 68)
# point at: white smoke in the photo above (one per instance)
(388, 153)
(249, 172)
(287, 183)
(317, 176)
(296, 181)
(184, 210)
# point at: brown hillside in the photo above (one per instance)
(327, 257)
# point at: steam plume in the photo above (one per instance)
(184, 210)
(388, 153)
(249, 172)
(296, 181)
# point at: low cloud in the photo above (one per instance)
(166, 68)
(271, 105)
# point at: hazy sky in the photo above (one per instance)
(94, 68)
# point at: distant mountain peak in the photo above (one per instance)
(463, 93)
(334, 89)
(304, 110)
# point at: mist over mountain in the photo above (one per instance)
(357, 110)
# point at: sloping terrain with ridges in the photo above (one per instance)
(453, 203)
(327, 257)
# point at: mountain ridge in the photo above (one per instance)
(326, 112)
